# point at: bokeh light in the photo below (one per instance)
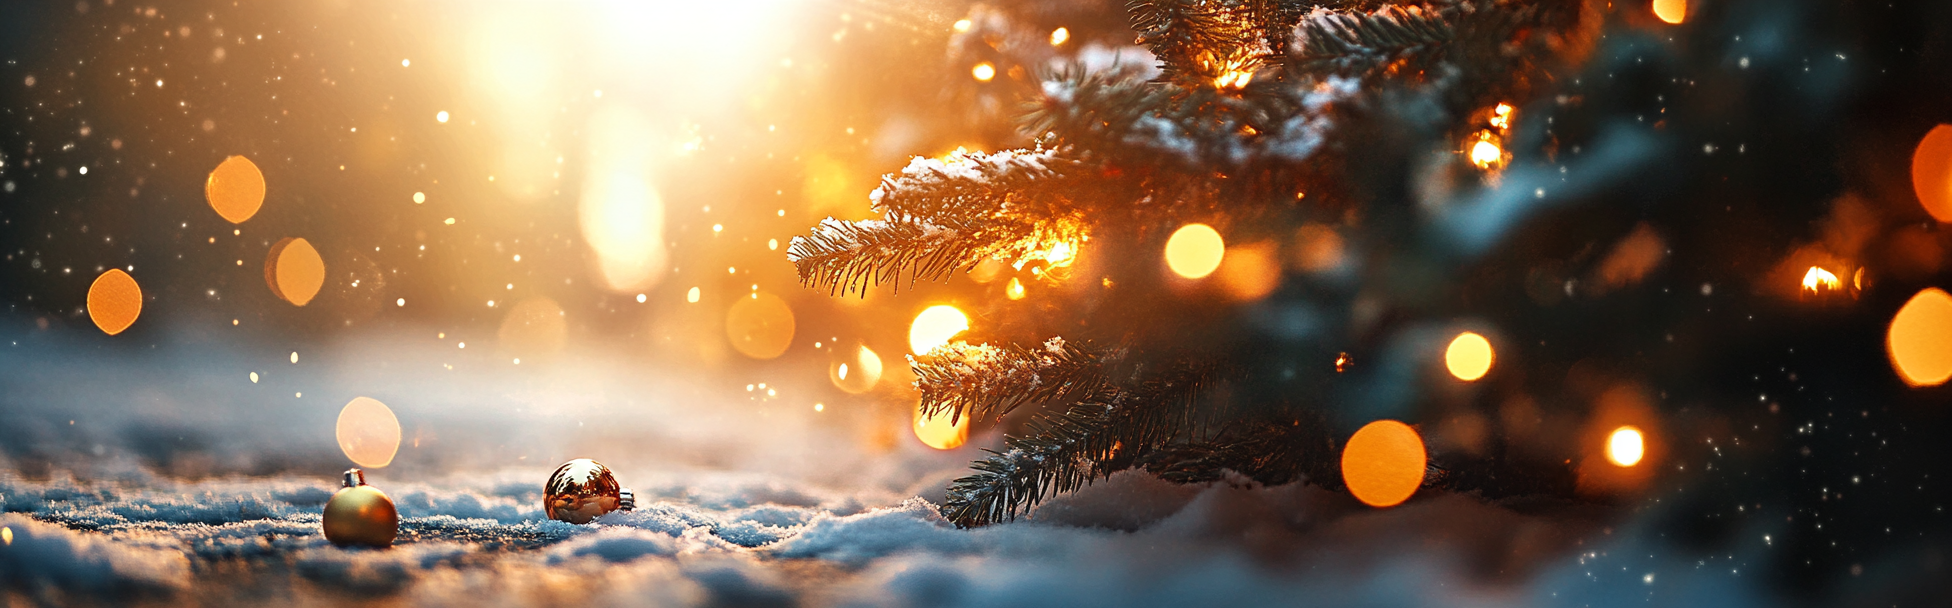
(621, 213)
(1195, 250)
(983, 72)
(855, 370)
(1250, 272)
(760, 325)
(1671, 11)
(1014, 290)
(935, 327)
(368, 432)
(1819, 281)
(1383, 463)
(1920, 339)
(1059, 36)
(235, 189)
(114, 301)
(938, 432)
(1625, 446)
(294, 271)
(1469, 356)
(1931, 172)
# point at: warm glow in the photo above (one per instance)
(1059, 36)
(1931, 172)
(1501, 116)
(1468, 357)
(760, 325)
(1920, 339)
(235, 189)
(419, 197)
(1233, 79)
(1318, 248)
(441, 116)
(1625, 446)
(1671, 11)
(114, 301)
(1485, 153)
(536, 327)
(1014, 290)
(691, 296)
(1195, 250)
(983, 71)
(1819, 281)
(294, 271)
(368, 433)
(935, 327)
(1383, 464)
(621, 213)
(961, 25)
(936, 431)
(855, 370)
(1250, 272)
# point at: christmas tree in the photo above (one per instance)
(1293, 161)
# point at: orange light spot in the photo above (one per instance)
(1195, 250)
(1383, 463)
(1469, 356)
(760, 326)
(1931, 172)
(1486, 154)
(935, 326)
(368, 432)
(1671, 11)
(1014, 290)
(1250, 272)
(114, 301)
(1819, 281)
(1233, 79)
(936, 431)
(294, 271)
(983, 72)
(1920, 339)
(855, 370)
(235, 189)
(1625, 446)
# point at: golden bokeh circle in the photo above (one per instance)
(294, 270)
(1919, 341)
(368, 432)
(1469, 356)
(855, 370)
(937, 432)
(1383, 463)
(1626, 446)
(1671, 11)
(114, 301)
(235, 189)
(1931, 172)
(1195, 250)
(760, 325)
(935, 326)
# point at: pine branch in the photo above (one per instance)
(1090, 440)
(943, 215)
(1270, 452)
(983, 381)
(1198, 41)
(1359, 43)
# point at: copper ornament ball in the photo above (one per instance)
(582, 489)
(360, 515)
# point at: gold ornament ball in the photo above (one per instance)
(360, 515)
(582, 489)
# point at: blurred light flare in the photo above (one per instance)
(294, 271)
(114, 301)
(983, 72)
(1625, 446)
(1485, 153)
(1819, 281)
(938, 432)
(1014, 290)
(856, 370)
(1671, 11)
(1931, 172)
(1195, 251)
(1919, 341)
(935, 326)
(760, 326)
(368, 433)
(235, 189)
(621, 214)
(1059, 36)
(1384, 463)
(1469, 356)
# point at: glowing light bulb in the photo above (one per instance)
(1469, 356)
(937, 432)
(1059, 36)
(1485, 153)
(935, 326)
(983, 72)
(1671, 11)
(1383, 463)
(1625, 446)
(1920, 339)
(1195, 250)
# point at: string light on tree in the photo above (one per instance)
(1625, 446)
(1384, 463)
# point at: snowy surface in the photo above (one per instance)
(181, 481)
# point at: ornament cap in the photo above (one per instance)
(626, 500)
(355, 477)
